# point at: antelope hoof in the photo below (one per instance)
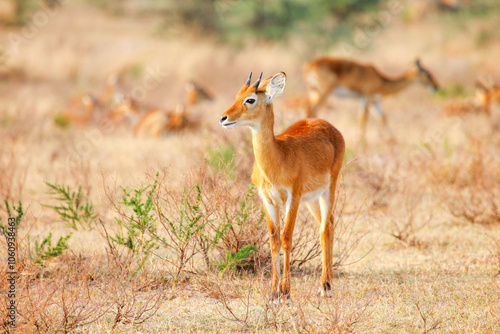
(325, 290)
(285, 299)
(277, 299)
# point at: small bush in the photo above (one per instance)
(10, 211)
(185, 227)
(239, 259)
(73, 208)
(246, 228)
(137, 229)
(44, 251)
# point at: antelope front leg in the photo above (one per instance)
(272, 216)
(291, 214)
(317, 98)
(383, 121)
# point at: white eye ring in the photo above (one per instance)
(249, 101)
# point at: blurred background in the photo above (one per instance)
(88, 40)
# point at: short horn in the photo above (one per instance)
(258, 81)
(418, 63)
(249, 79)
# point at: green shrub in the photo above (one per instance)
(137, 230)
(10, 212)
(73, 209)
(38, 252)
(238, 259)
(185, 228)
(44, 251)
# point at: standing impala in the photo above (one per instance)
(302, 163)
(347, 78)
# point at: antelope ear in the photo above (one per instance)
(275, 86)
(480, 85)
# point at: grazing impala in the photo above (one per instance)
(302, 163)
(348, 78)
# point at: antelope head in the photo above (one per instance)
(253, 102)
(425, 77)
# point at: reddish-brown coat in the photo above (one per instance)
(304, 159)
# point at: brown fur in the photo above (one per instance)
(463, 108)
(81, 110)
(158, 121)
(123, 113)
(305, 157)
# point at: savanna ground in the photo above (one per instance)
(150, 235)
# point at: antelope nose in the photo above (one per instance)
(222, 119)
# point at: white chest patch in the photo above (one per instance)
(273, 199)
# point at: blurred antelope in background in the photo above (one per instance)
(158, 121)
(301, 164)
(484, 96)
(124, 111)
(487, 94)
(81, 110)
(196, 94)
(347, 78)
(111, 105)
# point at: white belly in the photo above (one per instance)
(345, 92)
(313, 196)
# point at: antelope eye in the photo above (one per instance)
(250, 101)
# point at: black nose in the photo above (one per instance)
(223, 119)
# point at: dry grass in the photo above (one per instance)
(418, 221)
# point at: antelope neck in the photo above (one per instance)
(394, 85)
(265, 148)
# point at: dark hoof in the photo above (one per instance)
(277, 299)
(285, 299)
(326, 290)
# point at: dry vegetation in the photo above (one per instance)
(125, 234)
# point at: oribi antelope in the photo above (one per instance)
(300, 165)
